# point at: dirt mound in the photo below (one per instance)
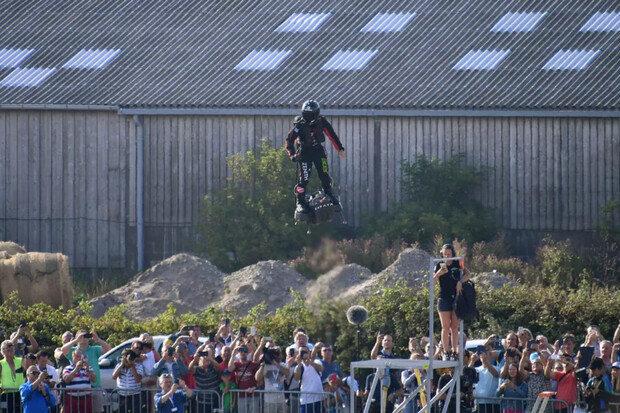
(11, 248)
(268, 281)
(341, 282)
(189, 282)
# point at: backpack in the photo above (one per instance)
(466, 302)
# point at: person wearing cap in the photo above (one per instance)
(173, 395)
(566, 382)
(308, 373)
(615, 376)
(532, 371)
(246, 378)
(272, 373)
(11, 377)
(21, 348)
(35, 394)
(330, 385)
(229, 399)
(205, 373)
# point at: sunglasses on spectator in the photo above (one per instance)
(35, 373)
(327, 349)
(166, 375)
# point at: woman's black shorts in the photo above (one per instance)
(445, 304)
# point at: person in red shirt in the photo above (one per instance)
(567, 382)
(246, 370)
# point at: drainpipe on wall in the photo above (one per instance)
(140, 189)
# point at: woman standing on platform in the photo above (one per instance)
(450, 276)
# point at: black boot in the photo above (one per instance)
(332, 197)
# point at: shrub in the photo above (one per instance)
(251, 219)
(437, 199)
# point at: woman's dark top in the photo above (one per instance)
(447, 282)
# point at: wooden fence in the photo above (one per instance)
(68, 178)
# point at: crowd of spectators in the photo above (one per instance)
(236, 370)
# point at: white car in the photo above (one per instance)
(109, 360)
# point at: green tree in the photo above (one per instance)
(437, 199)
(251, 218)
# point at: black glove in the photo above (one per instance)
(295, 158)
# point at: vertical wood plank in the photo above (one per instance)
(609, 177)
(527, 174)
(564, 180)
(615, 144)
(485, 147)
(166, 185)
(132, 157)
(12, 161)
(59, 183)
(535, 175)
(571, 173)
(80, 196)
(174, 187)
(125, 125)
(115, 187)
(92, 172)
(34, 183)
(68, 199)
(578, 174)
(201, 174)
(514, 164)
(4, 128)
(586, 162)
(508, 162)
(600, 201)
(102, 197)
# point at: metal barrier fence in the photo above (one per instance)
(240, 401)
(202, 401)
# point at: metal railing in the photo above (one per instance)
(202, 401)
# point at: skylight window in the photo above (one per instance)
(303, 22)
(350, 60)
(27, 77)
(388, 22)
(11, 58)
(571, 60)
(263, 60)
(481, 59)
(91, 59)
(603, 22)
(518, 22)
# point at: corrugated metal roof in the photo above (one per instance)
(263, 60)
(388, 22)
(349, 60)
(192, 54)
(602, 22)
(24, 77)
(91, 59)
(518, 22)
(571, 59)
(303, 22)
(10, 58)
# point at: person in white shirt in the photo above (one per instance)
(308, 373)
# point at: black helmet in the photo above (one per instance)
(310, 110)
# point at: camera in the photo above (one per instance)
(203, 353)
(23, 324)
(268, 355)
(582, 376)
(511, 353)
(531, 343)
(170, 351)
(291, 352)
(32, 356)
(243, 331)
(481, 349)
(497, 343)
(227, 321)
(88, 335)
(303, 353)
(133, 356)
